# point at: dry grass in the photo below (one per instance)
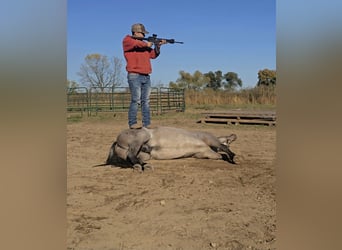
(254, 96)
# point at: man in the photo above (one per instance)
(138, 54)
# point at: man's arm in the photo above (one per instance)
(130, 43)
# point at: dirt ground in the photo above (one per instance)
(183, 204)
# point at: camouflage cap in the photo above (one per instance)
(138, 27)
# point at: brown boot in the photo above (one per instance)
(134, 126)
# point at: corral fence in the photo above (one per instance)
(91, 101)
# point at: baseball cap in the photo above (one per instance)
(138, 27)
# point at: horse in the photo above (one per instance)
(136, 147)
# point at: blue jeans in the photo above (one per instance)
(140, 87)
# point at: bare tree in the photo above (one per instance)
(71, 86)
(99, 71)
(118, 73)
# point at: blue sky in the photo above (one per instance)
(231, 36)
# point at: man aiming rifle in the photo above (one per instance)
(138, 53)
(156, 41)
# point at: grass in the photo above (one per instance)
(192, 114)
(223, 107)
(74, 118)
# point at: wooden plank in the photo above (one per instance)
(226, 116)
(241, 114)
(241, 117)
(244, 114)
(237, 121)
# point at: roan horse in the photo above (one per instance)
(136, 146)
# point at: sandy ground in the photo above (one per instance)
(183, 204)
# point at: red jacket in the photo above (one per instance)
(137, 55)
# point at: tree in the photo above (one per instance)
(215, 79)
(71, 85)
(232, 81)
(228, 81)
(267, 77)
(99, 71)
(187, 80)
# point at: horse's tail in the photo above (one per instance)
(101, 165)
(110, 158)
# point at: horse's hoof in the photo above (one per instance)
(148, 167)
(137, 168)
(228, 157)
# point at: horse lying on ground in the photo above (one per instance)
(136, 146)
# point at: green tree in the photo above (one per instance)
(267, 77)
(187, 80)
(228, 81)
(99, 71)
(215, 79)
(232, 81)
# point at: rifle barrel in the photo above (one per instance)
(170, 40)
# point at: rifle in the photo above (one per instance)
(156, 40)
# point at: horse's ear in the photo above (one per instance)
(226, 140)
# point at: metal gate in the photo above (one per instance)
(117, 99)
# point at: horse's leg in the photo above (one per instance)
(132, 155)
(226, 140)
(220, 145)
(116, 153)
(227, 155)
(146, 148)
(137, 157)
(208, 154)
(132, 141)
(144, 155)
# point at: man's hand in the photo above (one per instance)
(162, 42)
(149, 44)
